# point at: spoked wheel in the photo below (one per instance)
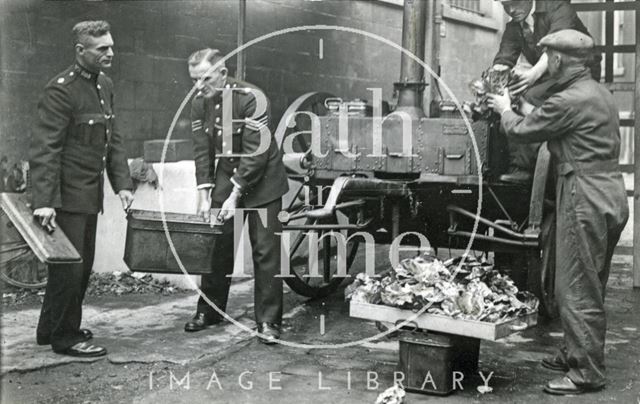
(320, 258)
(18, 264)
(294, 121)
(24, 270)
(317, 256)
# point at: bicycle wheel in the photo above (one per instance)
(24, 270)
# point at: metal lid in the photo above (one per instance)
(170, 217)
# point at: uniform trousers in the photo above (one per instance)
(61, 312)
(265, 246)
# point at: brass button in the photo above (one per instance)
(217, 106)
(217, 119)
(90, 121)
(98, 86)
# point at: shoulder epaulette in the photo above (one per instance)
(65, 78)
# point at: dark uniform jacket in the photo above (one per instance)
(75, 138)
(261, 178)
(549, 17)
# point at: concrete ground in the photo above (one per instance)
(151, 360)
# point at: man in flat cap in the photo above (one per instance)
(74, 141)
(580, 122)
(249, 174)
(531, 20)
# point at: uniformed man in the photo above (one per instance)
(249, 174)
(74, 140)
(580, 122)
(531, 20)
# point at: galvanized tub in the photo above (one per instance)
(147, 246)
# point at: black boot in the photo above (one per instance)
(201, 321)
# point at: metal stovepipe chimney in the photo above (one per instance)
(411, 85)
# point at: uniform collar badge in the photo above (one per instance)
(84, 73)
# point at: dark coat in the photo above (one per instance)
(549, 17)
(75, 138)
(580, 122)
(261, 178)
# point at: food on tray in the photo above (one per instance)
(461, 287)
(392, 395)
(494, 80)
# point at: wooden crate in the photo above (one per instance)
(434, 322)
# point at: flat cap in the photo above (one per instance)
(568, 41)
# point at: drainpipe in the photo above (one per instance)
(411, 85)
(242, 17)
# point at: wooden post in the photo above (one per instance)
(609, 43)
(636, 162)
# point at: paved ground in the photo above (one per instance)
(152, 360)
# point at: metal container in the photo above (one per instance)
(147, 247)
(428, 361)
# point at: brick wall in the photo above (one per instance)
(154, 38)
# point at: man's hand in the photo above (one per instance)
(228, 208)
(126, 197)
(500, 103)
(526, 78)
(46, 216)
(523, 80)
(204, 203)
